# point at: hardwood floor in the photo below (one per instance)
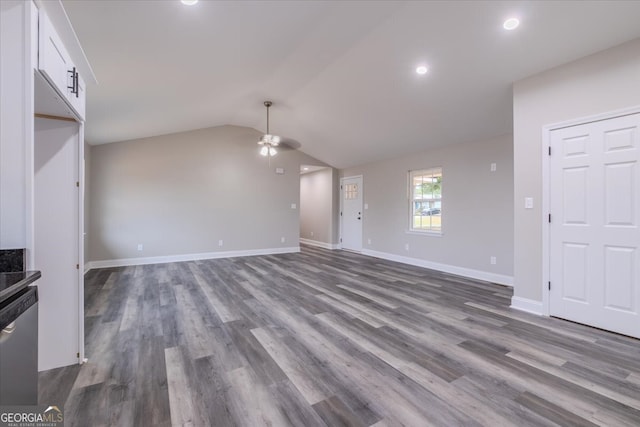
(333, 338)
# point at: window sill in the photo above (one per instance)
(425, 233)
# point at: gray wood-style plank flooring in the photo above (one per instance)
(332, 338)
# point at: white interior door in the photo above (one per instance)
(351, 213)
(594, 231)
(56, 252)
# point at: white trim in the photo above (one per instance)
(424, 233)
(28, 136)
(546, 189)
(546, 225)
(80, 246)
(594, 118)
(527, 305)
(446, 268)
(122, 262)
(325, 245)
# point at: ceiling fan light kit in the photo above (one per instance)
(268, 141)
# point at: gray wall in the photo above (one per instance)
(606, 81)
(180, 194)
(477, 206)
(318, 207)
(87, 200)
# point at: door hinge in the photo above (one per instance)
(77, 266)
(78, 184)
(341, 187)
(549, 218)
(78, 355)
(341, 240)
(340, 213)
(549, 285)
(549, 150)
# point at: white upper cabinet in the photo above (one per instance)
(56, 66)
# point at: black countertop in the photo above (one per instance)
(13, 282)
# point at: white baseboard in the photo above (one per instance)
(526, 304)
(187, 257)
(446, 268)
(325, 245)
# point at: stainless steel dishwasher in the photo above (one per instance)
(19, 348)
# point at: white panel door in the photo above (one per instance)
(594, 231)
(56, 235)
(351, 219)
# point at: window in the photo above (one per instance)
(351, 191)
(426, 200)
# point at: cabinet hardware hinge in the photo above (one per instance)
(341, 240)
(549, 218)
(549, 150)
(549, 285)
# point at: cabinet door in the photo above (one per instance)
(53, 60)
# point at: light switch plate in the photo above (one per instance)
(528, 202)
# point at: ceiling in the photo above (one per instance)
(341, 74)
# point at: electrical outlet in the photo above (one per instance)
(406, 246)
(493, 260)
(493, 167)
(311, 234)
(293, 205)
(366, 206)
(368, 241)
(140, 247)
(220, 242)
(282, 240)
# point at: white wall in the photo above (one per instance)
(318, 219)
(179, 194)
(606, 81)
(477, 209)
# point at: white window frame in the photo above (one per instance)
(412, 200)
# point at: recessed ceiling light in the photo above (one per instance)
(422, 69)
(189, 2)
(511, 24)
(305, 169)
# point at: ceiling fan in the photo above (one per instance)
(269, 142)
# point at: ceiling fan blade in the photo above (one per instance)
(289, 143)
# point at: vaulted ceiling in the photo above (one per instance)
(341, 74)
